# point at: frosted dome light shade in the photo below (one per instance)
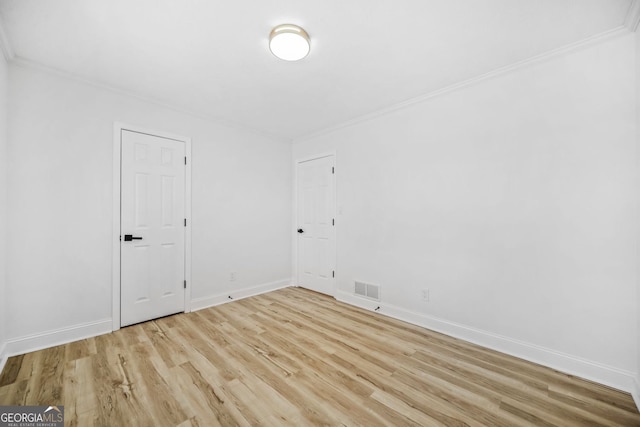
(289, 42)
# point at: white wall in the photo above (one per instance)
(60, 198)
(637, 72)
(3, 200)
(513, 201)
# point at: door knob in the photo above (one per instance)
(129, 237)
(300, 230)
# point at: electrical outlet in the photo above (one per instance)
(425, 295)
(232, 276)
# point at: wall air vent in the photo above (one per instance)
(367, 290)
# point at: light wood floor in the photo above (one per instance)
(293, 357)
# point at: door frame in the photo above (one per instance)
(118, 127)
(294, 227)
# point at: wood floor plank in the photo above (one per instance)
(79, 395)
(11, 370)
(214, 399)
(78, 350)
(293, 358)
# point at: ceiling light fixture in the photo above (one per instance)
(289, 42)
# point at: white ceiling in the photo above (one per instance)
(211, 57)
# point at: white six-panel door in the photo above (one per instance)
(315, 217)
(152, 263)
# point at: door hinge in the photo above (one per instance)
(185, 284)
(333, 274)
(185, 222)
(185, 160)
(333, 221)
(333, 169)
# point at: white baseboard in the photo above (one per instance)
(3, 355)
(35, 342)
(635, 393)
(236, 294)
(593, 371)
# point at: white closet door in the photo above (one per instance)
(316, 232)
(152, 241)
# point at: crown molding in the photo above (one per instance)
(220, 121)
(7, 51)
(564, 50)
(632, 20)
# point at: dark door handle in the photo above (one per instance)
(300, 230)
(129, 237)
